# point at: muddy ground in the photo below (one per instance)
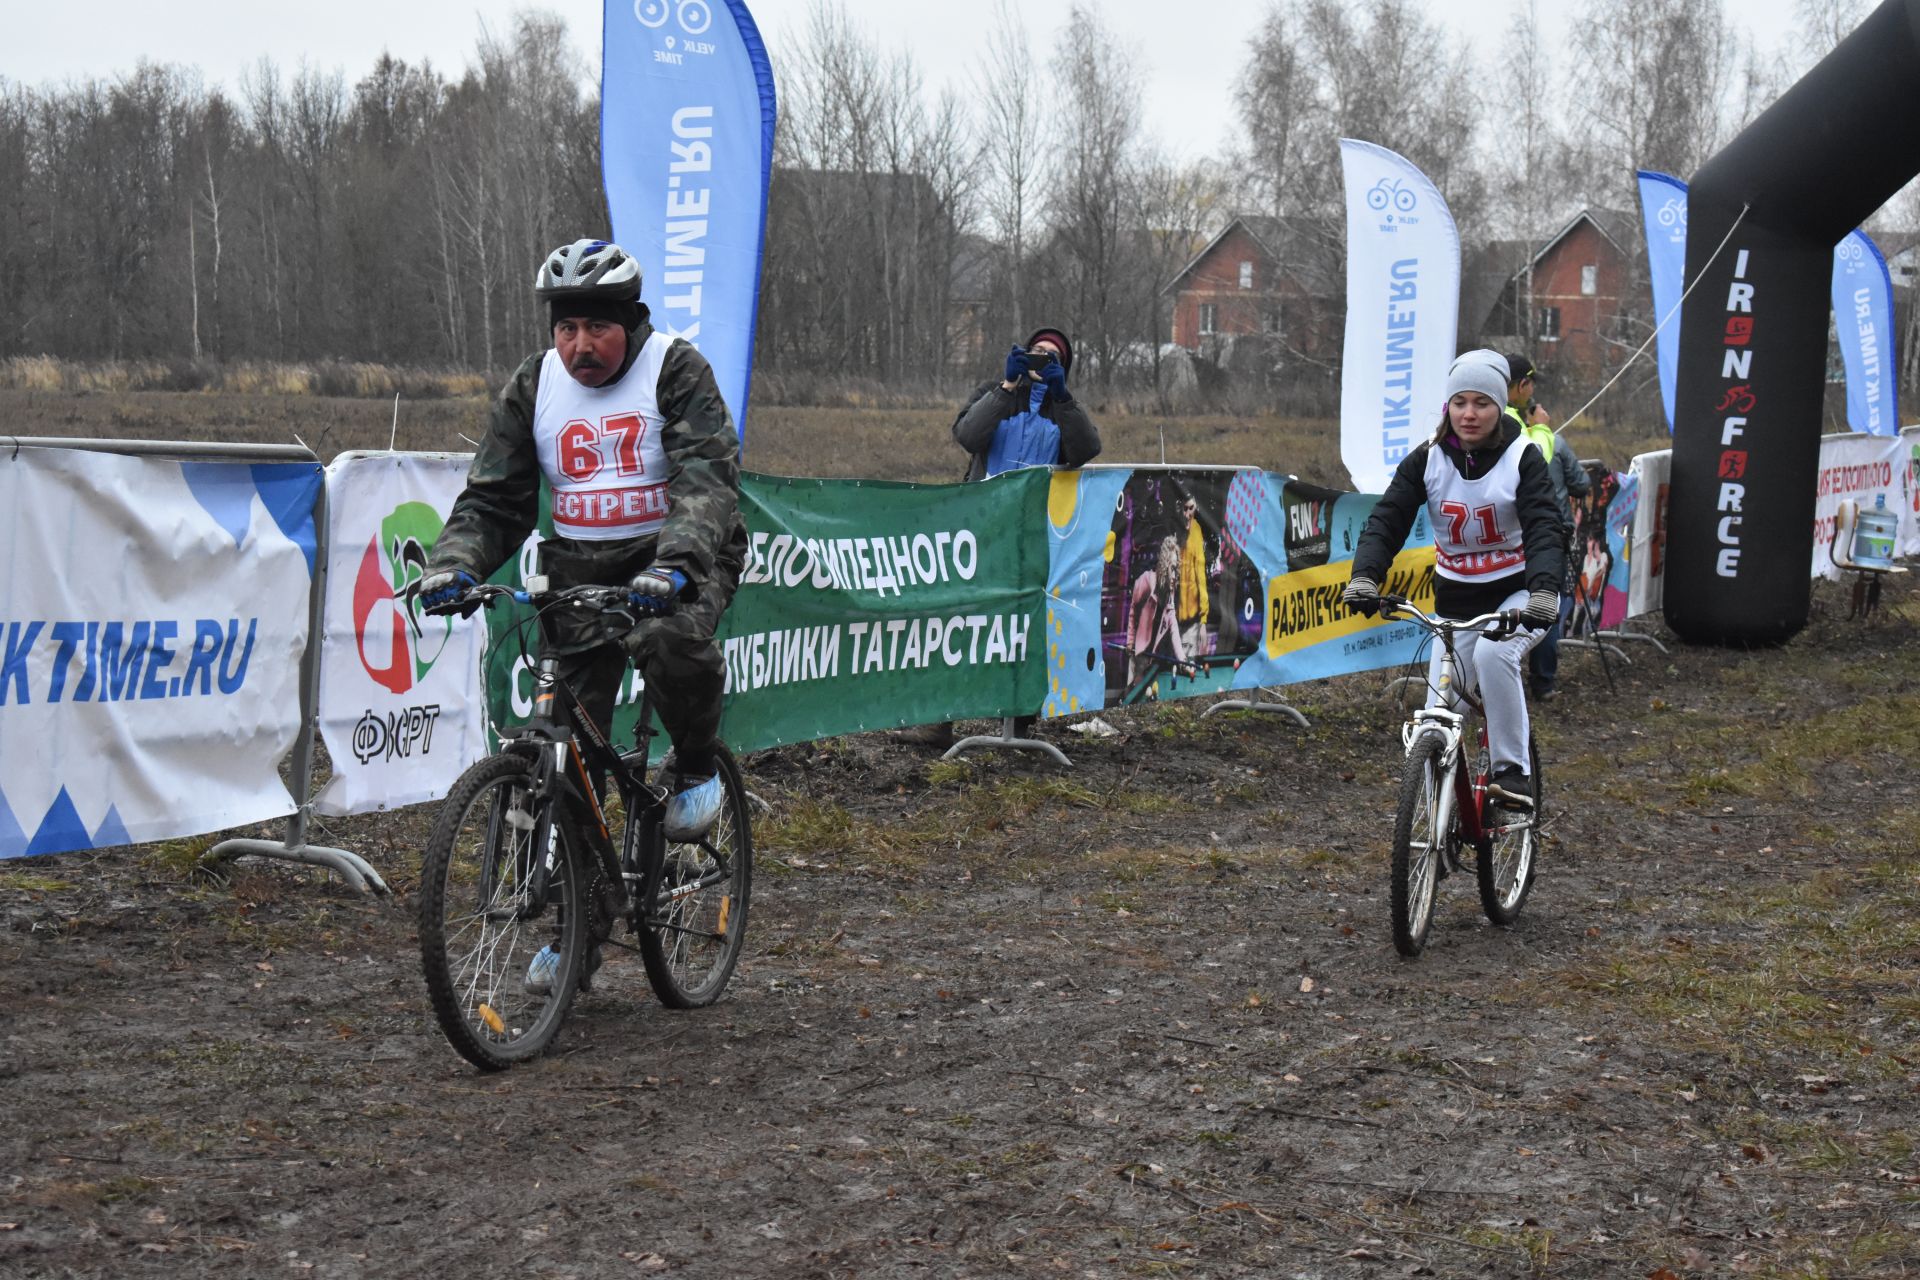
(1140, 1017)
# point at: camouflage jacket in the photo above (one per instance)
(703, 535)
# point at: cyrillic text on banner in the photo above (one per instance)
(1869, 471)
(153, 615)
(1863, 326)
(1403, 302)
(400, 691)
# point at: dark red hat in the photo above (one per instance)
(1059, 340)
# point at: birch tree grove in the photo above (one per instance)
(394, 215)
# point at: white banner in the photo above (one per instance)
(152, 619)
(1909, 544)
(401, 709)
(1403, 299)
(1647, 550)
(1866, 470)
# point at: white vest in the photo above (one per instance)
(1476, 523)
(600, 448)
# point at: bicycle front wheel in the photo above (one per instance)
(1505, 866)
(1418, 842)
(693, 901)
(481, 927)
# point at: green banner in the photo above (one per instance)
(870, 605)
(865, 605)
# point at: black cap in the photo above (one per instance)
(624, 312)
(1519, 368)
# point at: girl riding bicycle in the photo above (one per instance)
(1500, 544)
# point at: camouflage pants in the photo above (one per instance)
(685, 673)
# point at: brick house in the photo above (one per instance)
(1281, 278)
(1563, 303)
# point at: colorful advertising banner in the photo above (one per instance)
(1602, 535)
(1869, 471)
(152, 619)
(1663, 208)
(1177, 582)
(400, 704)
(686, 141)
(1863, 326)
(1403, 302)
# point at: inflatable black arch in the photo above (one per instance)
(1753, 336)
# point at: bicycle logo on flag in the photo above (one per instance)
(1849, 250)
(1388, 192)
(693, 16)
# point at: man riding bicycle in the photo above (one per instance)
(1499, 543)
(627, 428)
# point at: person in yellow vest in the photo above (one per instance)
(1520, 404)
(1569, 482)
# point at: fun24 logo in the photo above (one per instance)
(399, 641)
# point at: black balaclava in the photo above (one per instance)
(629, 315)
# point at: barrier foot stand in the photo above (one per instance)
(1006, 738)
(1601, 645)
(358, 874)
(1623, 634)
(1396, 688)
(1256, 703)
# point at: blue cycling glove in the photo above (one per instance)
(655, 590)
(442, 591)
(1055, 376)
(1016, 363)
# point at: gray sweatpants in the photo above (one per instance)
(1496, 668)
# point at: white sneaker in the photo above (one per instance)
(540, 973)
(692, 812)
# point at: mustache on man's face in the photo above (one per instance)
(587, 360)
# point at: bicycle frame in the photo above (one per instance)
(563, 744)
(1462, 805)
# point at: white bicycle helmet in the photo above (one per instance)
(588, 269)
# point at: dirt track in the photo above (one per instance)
(1142, 1017)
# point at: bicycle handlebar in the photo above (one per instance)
(1499, 623)
(613, 601)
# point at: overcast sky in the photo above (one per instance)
(1187, 65)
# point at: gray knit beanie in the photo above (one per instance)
(1483, 371)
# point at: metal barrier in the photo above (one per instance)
(352, 868)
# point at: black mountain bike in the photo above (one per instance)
(554, 841)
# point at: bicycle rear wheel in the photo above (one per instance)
(1505, 867)
(1418, 843)
(693, 912)
(475, 945)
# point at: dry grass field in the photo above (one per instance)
(880, 443)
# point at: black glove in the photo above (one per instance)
(441, 592)
(655, 590)
(1055, 376)
(1362, 596)
(1016, 363)
(1542, 611)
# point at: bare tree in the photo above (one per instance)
(1097, 118)
(1651, 90)
(1008, 87)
